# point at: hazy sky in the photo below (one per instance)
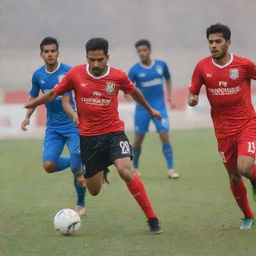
(176, 29)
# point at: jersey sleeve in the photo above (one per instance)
(65, 85)
(166, 72)
(35, 86)
(131, 75)
(196, 81)
(126, 84)
(251, 69)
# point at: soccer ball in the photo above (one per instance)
(66, 222)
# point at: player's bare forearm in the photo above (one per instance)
(47, 97)
(168, 83)
(69, 109)
(193, 99)
(29, 113)
(139, 98)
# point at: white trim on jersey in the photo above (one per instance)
(219, 66)
(148, 67)
(97, 77)
(48, 72)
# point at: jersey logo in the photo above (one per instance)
(110, 87)
(60, 77)
(83, 85)
(142, 75)
(222, 83)
(96, 93)
(42, 81)
(209, 75)
(159, 70)
(233, 73)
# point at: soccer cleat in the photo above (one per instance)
(137, 173)
(173, 175)
(80, 210)
(247, 223)
(254, 190)
(154, 226)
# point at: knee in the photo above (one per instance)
(49, 166)
(234, 179)
(94, 192)
(244, 168)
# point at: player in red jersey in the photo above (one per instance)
(102, 138)
(227, 80)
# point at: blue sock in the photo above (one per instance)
(75, 165)
(136, 155)
(167, 151)
(80, 193)
(62, 163)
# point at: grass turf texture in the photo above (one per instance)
(197, 213)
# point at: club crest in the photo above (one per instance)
(110, 87)
(159, 70)
(233, 73)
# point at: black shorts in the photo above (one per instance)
(99, 152)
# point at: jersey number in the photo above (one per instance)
(251, 147)
(124, 145)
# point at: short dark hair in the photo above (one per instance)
(219, 28)
(97, 43)
(49, 40)
(143, 42)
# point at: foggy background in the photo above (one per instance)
(176, 29)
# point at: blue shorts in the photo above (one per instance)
(55, 140)
(142, 120)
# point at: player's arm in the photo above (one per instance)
(29, 113)
(139, 98)
(45, 98)
(168, 83)
(196, 84)
(69, 109)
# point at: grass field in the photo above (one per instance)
(197, 212)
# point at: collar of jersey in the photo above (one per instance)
(219, 66)
(48, 72)
(97, 77)
(148, 67)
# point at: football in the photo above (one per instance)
(66, 222)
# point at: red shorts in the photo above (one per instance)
(243, 144)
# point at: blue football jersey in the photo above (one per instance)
(44, 81)
(150, 81)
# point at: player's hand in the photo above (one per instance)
(155, 114)
(193, 100)
(76, 120)
(24, 124)
(171, 102)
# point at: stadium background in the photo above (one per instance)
(176, 29)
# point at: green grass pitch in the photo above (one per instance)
(198, 215)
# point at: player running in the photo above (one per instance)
(227, 80)
(60, 129)
(103, 141)
(149, 76)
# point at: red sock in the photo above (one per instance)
(240, 194)
(138, 191)
(253, 175)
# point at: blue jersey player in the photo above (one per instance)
(60, 129)
(149, 76)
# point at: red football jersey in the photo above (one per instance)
(96, 98)
(228, 90)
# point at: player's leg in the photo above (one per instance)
(228, 152)
(163, 127)
(120, 154)
(52, 149)
(94, 162)
(142, 119)
(239, 192)
(73, 144)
